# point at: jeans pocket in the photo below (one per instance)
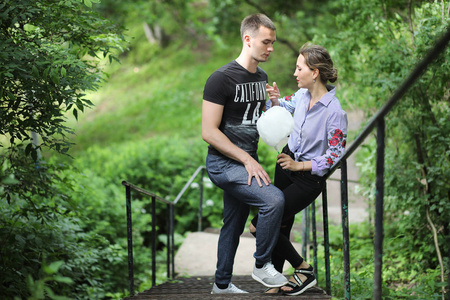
(216, 164)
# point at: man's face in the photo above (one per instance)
(262, 44)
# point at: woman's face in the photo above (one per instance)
(303, 73)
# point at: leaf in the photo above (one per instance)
(11, 96)
(10, 180)
(63, 279)
(46, 72)
(63, 72)
(88, 102)
(21, 240)
(28, 149)
(53, 267)
(54, 76)
(34, 155)
(80, 105)
(88, 3)
(35, 71)
(52, 294)
(75, 113)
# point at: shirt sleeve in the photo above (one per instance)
(215, 89)
(337, 139)
(288, 102)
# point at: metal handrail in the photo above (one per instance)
(136, 188)
(378, 120)
(170, 226)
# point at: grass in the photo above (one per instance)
(141, 101)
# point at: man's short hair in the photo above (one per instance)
(251, 24)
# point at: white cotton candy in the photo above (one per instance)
(275, 126)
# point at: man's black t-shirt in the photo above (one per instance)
(243, 95)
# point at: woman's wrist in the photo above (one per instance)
(300, 166)
(275, 101)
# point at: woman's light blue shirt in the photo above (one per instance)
(319, 134)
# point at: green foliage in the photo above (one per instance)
(45, 68)
(29, 242)
(49, 54)
(417, 145)
(403, 278)
(38, 288)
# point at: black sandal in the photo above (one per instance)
(300, 286)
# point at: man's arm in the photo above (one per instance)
(211, 118)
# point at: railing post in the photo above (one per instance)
(153, 241)
(169, 246)
(379, 198)
(326, 239)
(172, 234)
(200, 209)
(130, 241)
(314, 232)
(345, 228)
(448, 254)
(305, 232)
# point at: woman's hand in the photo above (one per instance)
(274, 93)
(287, 163)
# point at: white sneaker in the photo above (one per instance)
(268, 276)
(231, 289)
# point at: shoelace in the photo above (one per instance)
(270, 269)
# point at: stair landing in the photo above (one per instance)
(199, 287)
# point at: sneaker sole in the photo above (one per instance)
(310, 285)
(266, 284)
(234, 293)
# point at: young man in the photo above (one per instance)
(233, 99)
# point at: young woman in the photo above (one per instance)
(316, 143)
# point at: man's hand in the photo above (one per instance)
(254, 169)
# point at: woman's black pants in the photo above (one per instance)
(300, 189)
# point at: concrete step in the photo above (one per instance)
(199, 287)
(197, 255)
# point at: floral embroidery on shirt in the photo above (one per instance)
(288, 98)
(337, 144)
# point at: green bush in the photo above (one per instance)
(403, 276)
(29, 242)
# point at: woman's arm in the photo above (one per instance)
(337, 140)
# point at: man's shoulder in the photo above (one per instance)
(260, 70)
(232, 65)
(220, 73)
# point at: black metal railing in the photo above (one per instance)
(169, 225)
(378, 121)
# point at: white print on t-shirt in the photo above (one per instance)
(250, 91)
(245, 120)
